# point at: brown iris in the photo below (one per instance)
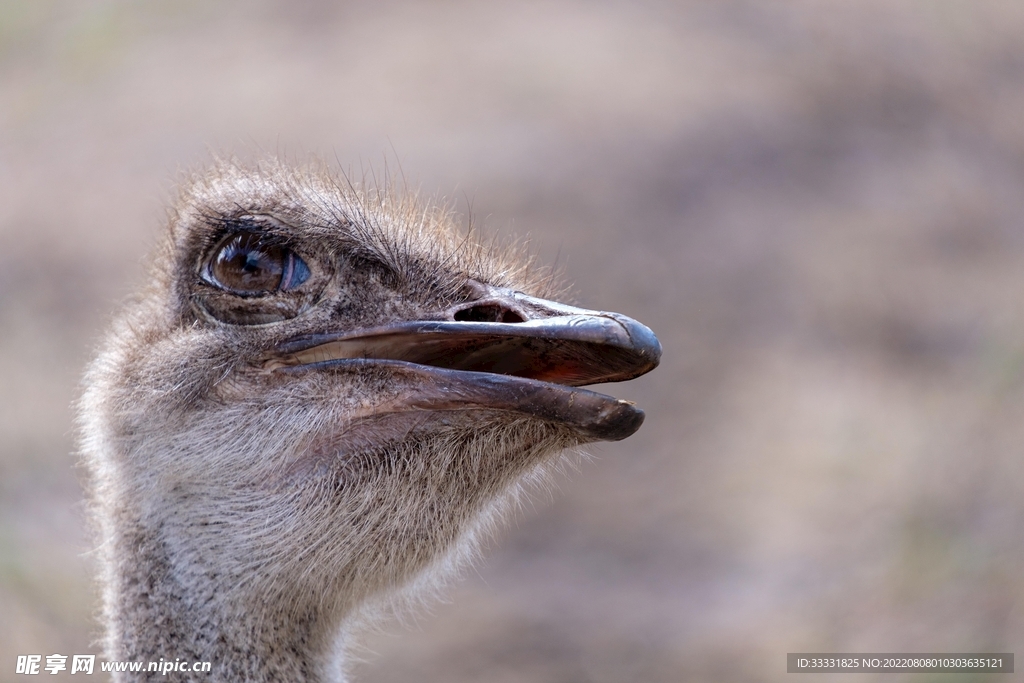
(246, 264)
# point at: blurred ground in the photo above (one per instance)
(817, 206)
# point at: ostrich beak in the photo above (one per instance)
(529, 360)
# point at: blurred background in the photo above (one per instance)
(818, 207)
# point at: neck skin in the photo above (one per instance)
(181, 609)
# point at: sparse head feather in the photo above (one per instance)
(420, 239)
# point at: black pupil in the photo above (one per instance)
(253, 261)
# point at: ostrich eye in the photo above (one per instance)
(243, 263)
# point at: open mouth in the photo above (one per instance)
(533, 367)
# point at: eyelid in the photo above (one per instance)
(295, 272)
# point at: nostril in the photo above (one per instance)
(512, 317)
(488, 313)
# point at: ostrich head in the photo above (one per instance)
(319, 399)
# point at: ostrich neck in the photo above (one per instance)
(164, 609)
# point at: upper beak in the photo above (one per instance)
(553, 343)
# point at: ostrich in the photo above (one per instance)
(322, 397)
